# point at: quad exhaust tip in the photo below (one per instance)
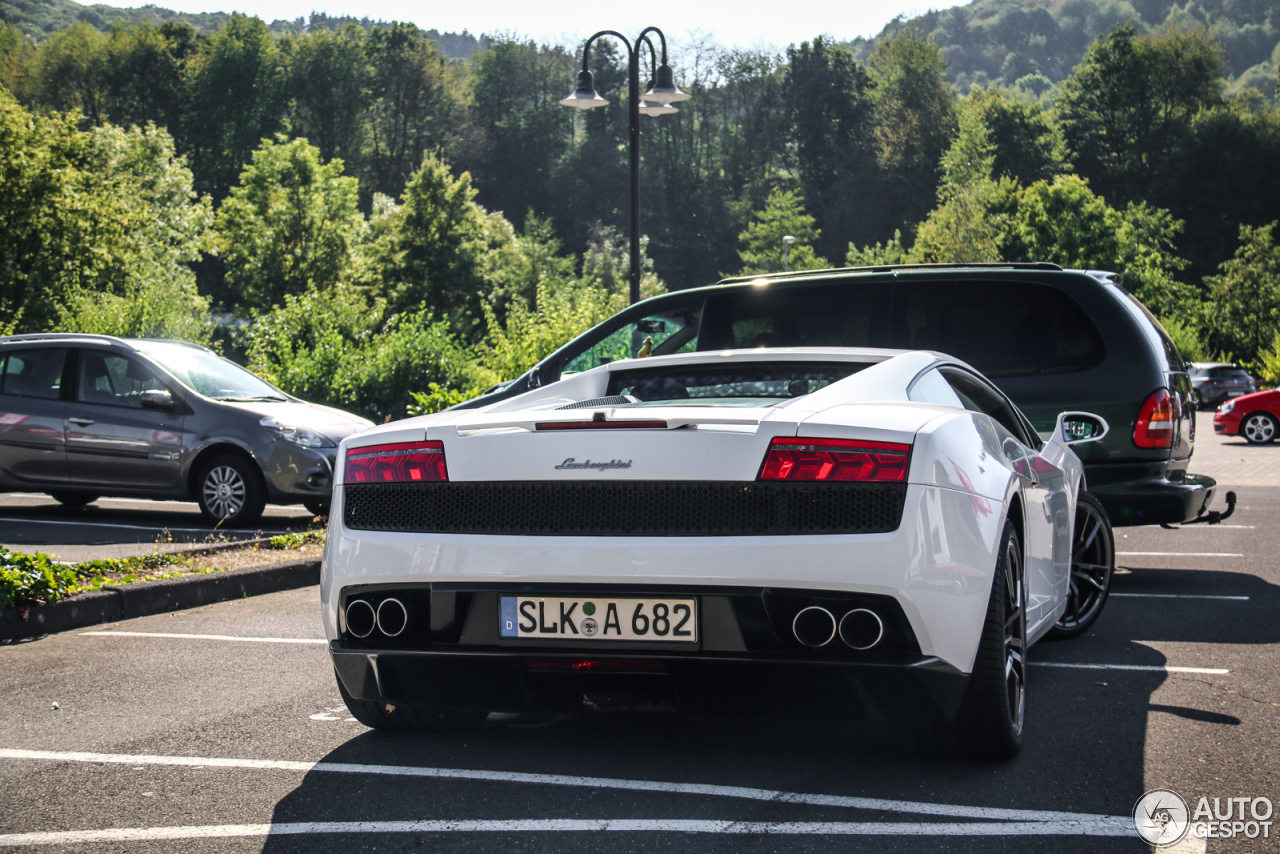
(814, 626)
(361, 618)
(392, 617)
(861, 629)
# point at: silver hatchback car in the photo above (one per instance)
(82, 416)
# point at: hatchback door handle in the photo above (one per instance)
(81, 422)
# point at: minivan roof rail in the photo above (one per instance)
(62, 336)
(889, 268)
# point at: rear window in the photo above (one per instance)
(1001, 328)
(751, 383)
(1229, 374)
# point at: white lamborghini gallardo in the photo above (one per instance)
(827, 532)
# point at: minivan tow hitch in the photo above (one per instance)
(1213, 517)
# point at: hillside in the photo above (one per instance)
(38, 18)
(1006, 41)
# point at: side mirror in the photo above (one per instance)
(1076, 427)
(157, 398)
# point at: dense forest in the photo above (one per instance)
(375, 216)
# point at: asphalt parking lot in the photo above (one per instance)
(203, 730)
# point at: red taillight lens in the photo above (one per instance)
(597, 666)
(1155, 421)
(404, 462)
(835, 460)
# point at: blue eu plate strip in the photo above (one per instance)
(507, 617)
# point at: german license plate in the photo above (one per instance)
(598, 618)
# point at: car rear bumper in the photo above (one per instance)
(735, 686)
(1155, 501)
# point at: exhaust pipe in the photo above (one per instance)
(360, 618)
(392, 617)
(861, 629)
(814, 626)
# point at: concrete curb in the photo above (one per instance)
(156, 597)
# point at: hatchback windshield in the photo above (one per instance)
(761, 383)
(211, 375)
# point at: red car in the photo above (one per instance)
(1255, 416)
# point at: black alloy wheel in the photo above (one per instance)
(993, 714)
(1093, 560)
(1259, 428)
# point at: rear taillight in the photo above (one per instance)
(835, 460)
(1155, 421)
(404, 462)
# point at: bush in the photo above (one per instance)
(32, 579)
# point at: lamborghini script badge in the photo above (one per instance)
(571, 463)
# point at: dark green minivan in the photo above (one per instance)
(1052, 339)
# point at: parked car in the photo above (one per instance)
(1256, 417)
(1051, 339)
(794, 529)
(1215, 382)
(92, 415)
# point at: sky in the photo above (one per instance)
(741, 23)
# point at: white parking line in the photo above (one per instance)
(80, 523)
(1154, 668)
(1180, 596)
(200, 637)
(1117, 826)
(1178, 554)
(740, 792)
(1216, 527)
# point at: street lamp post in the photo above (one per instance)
(657, 101)
(786, 252)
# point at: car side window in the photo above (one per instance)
(659, 334)
(932, 388)
(976, 395)
(33, 373)
(114, 380)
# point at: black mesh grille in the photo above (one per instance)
(638, 508)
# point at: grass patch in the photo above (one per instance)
(35, 579)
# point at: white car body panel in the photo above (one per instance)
(938, 564)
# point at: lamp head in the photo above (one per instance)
(655, 108)
(584, 95)
(664, 89)
(788, 240)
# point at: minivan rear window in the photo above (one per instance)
(1001, 328)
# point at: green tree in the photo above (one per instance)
(236, 98)
(289, 226)
(828, 102)
(69, 72)
(1028, 143)
(915, 118)
(17, 53)
(428, 252)
(411, 104)
(1131, 100)
(329, 78)
(145, 68)
(964, 228)
(762, 246)
(1244, 299)
(340, 348)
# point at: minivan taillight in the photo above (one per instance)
(403, 462)
(1155, 421)
(797, 459)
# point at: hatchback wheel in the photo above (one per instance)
(231, 492)
(1093, 558)
(74, 499)
(1259, 428)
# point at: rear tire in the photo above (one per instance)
(992, 716)
(1093, 559)
(403, 717)
(230, 491)
(1259, 428)
(74, 499)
